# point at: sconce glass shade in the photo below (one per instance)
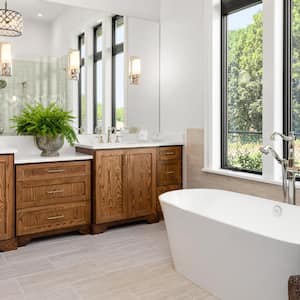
(135, 70)
(6, 59)
(11, 22)
(74, 64)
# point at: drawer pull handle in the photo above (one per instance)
(171, 172)
(56, 217)
(56, 192)
(56, 171)
(170, 153)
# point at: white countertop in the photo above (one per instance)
(34, 158)
(8, 150)
(107, 146)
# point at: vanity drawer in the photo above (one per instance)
(40, 193)
(169, 153)
(169, 173)
(37, 220)
(52, 170)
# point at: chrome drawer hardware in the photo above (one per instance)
(171, 172)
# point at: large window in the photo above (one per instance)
(118, 98)
(82, 103)
(242, 71)
(292, 72)
(98, 77)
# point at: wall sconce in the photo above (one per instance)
(74, 64)
(135, 69)
(5, 60)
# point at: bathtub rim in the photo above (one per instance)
(166, 202)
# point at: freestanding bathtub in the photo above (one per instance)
(238, 247)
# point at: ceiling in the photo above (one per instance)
(31, 8)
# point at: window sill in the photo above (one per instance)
(242, 175)
(245, 176)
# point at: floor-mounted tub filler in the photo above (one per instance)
(238, 247)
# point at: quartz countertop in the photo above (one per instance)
(125, 145)
(8, 150)
(34, 158)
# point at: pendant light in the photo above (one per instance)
(11, 22)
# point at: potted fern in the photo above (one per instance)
(50, 126)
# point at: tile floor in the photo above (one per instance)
(128, 263)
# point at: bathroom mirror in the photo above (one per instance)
(104, 96)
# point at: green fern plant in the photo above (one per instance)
(50, 121)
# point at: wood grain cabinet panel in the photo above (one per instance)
(141, 181)
(124, 186)
(7, 207)
(58, 191)
(52, 197)
(49, 218)
(170, 153)
(110, 186)
(47, 171)
(169, 172)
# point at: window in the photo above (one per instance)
(292, 73)
(82, 103)
(98, 77)
(242, 71)
(118, 68)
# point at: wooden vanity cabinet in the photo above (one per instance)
(124, 186)
(52, 198)
(141, 182)
(109, 186)
(7, 206)
(169, 172)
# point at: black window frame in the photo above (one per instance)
(116, 49)
(229, 7)
(97, 56)
(82, 64)
(287, 72)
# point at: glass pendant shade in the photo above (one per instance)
(11, 22)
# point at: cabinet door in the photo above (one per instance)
(6, 197)
(110, 196)
(141, 183)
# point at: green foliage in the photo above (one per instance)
(296, 65)
(245, 71)
(120, 114)
(245, 157)
(52, 121)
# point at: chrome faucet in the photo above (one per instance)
(289, 171)
(110, 132)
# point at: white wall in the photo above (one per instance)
(143, 99)
(148, 9)
(183, 67)
(69, 25)
(34, 43)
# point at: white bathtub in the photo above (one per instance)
(238, 247)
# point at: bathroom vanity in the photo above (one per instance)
(87, 191)
(52, 197)
(126, 182)
(7, 202)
